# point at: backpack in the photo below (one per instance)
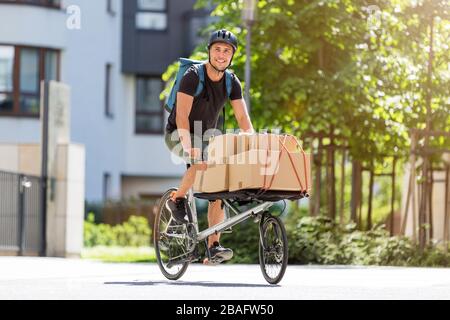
(185, 64)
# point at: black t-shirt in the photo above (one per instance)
(208, 104)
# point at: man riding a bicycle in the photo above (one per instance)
(204, 109)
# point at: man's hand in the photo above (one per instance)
(195, 155)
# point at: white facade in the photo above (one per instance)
(111, 143)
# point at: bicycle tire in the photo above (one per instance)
(162, 214)
(275, 249)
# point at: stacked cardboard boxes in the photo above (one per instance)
(236, 162)
(216, 177)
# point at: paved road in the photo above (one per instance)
(53, 278)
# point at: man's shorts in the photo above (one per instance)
(173, 143)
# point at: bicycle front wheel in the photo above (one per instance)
(273, 249)
(170, 242)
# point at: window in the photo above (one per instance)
(108, 74)
(21, 71)
(149, 108)
(6, 78)
(51, 65)
(29, 80)
(159, 5)
(151, 15)
(45, 3)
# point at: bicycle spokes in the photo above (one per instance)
(170, 242)
(273, 250)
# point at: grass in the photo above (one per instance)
(119, 254)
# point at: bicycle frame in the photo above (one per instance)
(187, 237)
(229, 221)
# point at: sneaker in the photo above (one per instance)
(178, 209)
(219, 254)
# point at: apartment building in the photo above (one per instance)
(112, 54)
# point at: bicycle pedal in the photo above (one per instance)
(174, 224)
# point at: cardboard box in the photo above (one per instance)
(253, 168)
(214, 179)
(245, 161)
(243, 142)
(221, 147)
(272, 141)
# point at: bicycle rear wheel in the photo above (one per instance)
(273, 249)
(170, 240)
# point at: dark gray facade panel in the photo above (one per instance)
(149, 52)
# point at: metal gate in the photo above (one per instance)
(21, 218)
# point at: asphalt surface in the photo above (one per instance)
(27, 278)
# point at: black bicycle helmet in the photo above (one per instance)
(223, 36)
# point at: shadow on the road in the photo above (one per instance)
(192, 283)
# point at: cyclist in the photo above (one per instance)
(192, 111)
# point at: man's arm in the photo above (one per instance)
(184, 106)
(242, 116)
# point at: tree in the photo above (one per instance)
(355, 68)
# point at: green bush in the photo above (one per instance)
(133, 233)
(321, 241)
(312, 240)
(244, 241)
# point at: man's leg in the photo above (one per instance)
(188, 180)
(215, 216)
(178, 201)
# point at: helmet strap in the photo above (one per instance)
(218, 70)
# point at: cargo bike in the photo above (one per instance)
(177, 245)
